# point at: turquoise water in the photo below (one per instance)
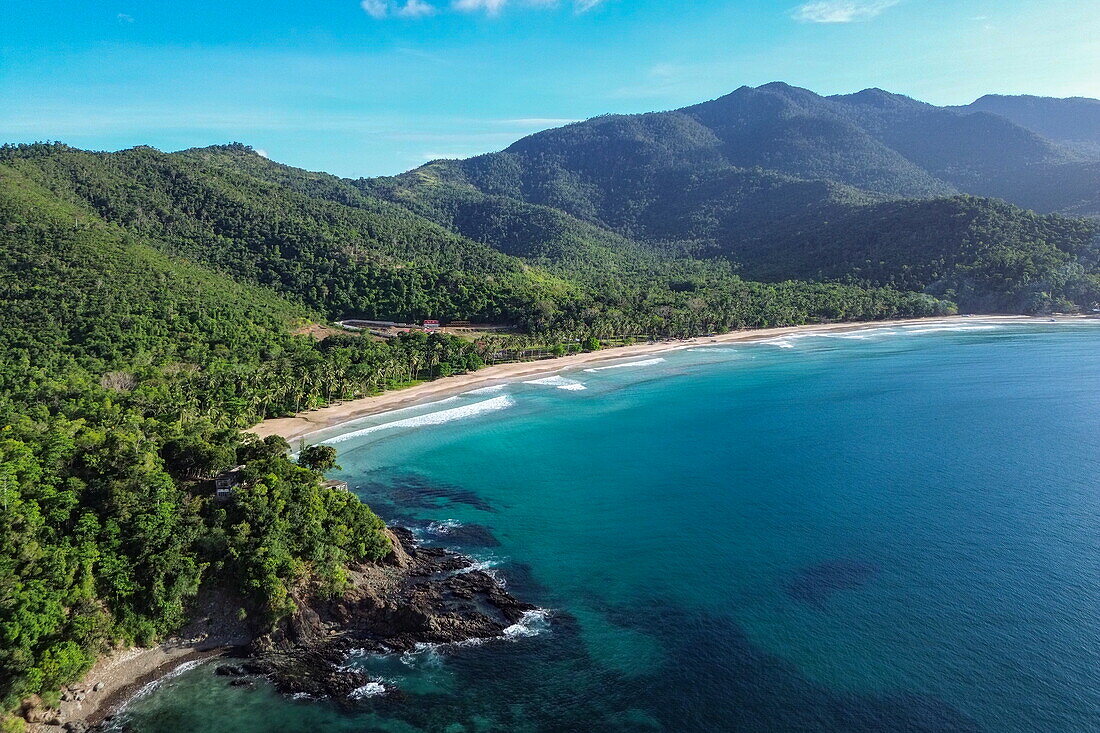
(896, 529)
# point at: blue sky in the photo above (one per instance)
(369, 87)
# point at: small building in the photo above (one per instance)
(337, 484)
(225, 483)
(431, 325)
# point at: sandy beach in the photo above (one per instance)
(124, 673)
(302, 425)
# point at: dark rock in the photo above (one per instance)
(239, 682)
(421, 595)
(255, 667)
(230, 670)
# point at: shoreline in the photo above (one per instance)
(122, 674)
(117, 698)
(310, 422)
(303, 653)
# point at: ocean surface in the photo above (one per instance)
(896, 529)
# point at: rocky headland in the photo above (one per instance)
(416, 596)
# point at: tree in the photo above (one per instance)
(319, 458)
(591, 343)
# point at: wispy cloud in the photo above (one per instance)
(375, 8)
(124, 18)
(841, 11)
(583, 6)
(490, 7)
(381, 9)
(416, 9)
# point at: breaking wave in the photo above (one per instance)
(861, 334)
(532, 623)
(950, 329)
(559, 382)
(444, 527)
(642, 363)
(371, 689)
(487, 390)
(432, 418)
(151, 686)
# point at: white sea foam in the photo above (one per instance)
(532, 623)
(559, 382)
(642, 363)
(432, 418)
(487, 566)
(423, 653)
(365, 418)
(781, 343)
(554, 381)
(487, 390)
(371, 689)
(444, 527)
(950, 329)
(150, 686)
(860, 335)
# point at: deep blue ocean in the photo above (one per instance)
(896, 529)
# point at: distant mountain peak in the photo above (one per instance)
(1073, 121)
(985, 98)
(880, 98)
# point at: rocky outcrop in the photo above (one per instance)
(417, 595)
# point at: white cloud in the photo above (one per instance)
(583, 6)
(416, 9)
(375, 8)
(841, 11)
(491, 7)
(381, 9)
(124, 18)
(262, 153)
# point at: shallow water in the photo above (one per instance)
(892, 529)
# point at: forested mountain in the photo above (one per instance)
(367, 259)
(337, 248)
(1074, 122)
(788, 184)
(611, 169)
(156, 303)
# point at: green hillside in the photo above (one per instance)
(361, 258)
(124, 374)
(985, 255)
